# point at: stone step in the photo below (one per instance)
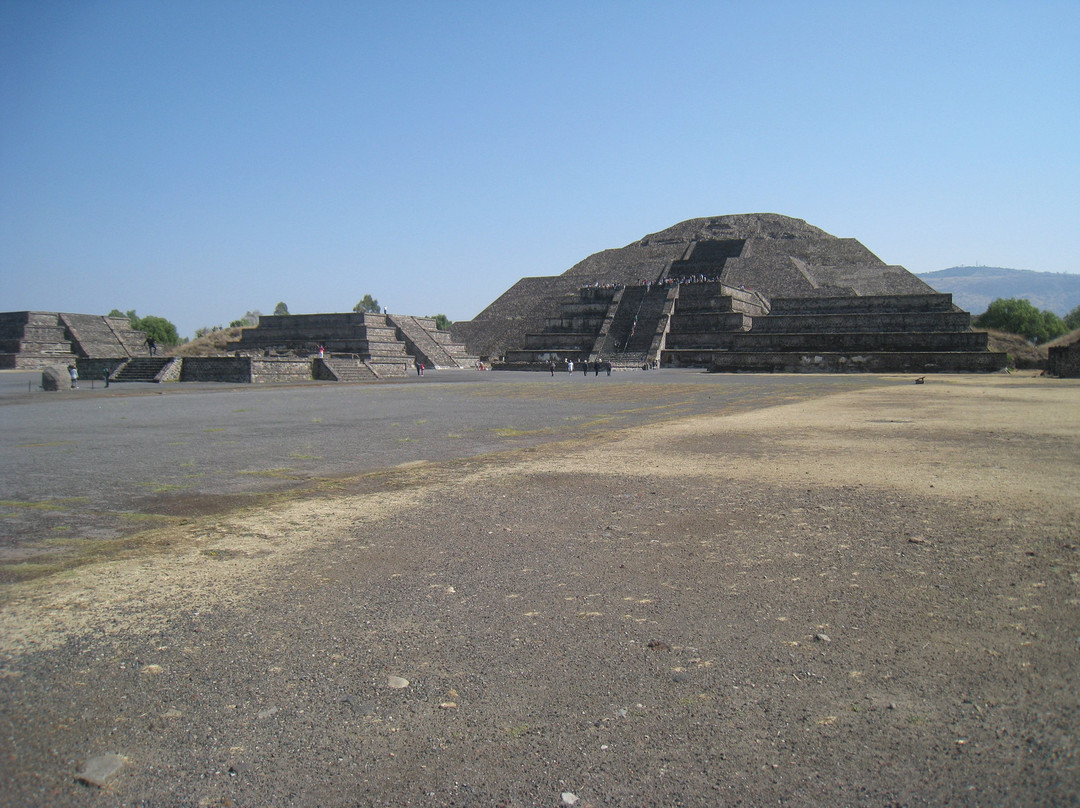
(142, 369)
(347, 369)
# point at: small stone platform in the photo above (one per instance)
(373, 345)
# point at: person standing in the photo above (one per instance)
(74, 373)
(570, 366)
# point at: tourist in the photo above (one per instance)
(570, 366)
(151, 346)
(585, 368)
(74, 373)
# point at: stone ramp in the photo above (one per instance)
(427, 344)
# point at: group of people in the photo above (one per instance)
(649, 283)
(584, 366)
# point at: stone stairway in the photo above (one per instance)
(345, 369)
(427, 344)
(143, 369)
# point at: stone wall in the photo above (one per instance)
(1064, 360)
(235, 369)
(281, 370)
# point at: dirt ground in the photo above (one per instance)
(869, 599)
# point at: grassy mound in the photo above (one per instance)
(212, 344)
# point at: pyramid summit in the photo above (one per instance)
(745, 291)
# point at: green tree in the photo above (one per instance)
(249, 319)
(1072, 319)
(163, 331)
(281, 309)
(442, 322)
(131, 315)
(1017, 315)
(159, 329)
(367, 304)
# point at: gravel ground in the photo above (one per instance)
(865, 598)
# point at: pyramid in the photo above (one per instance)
(755, 291)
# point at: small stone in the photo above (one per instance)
(396, 682)
(172, 712)
(269, 711)
(152, 670)
(916, 540)
(823, 638)
(448, 705)
(97, 771)
(569, 798)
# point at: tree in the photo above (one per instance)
(1072, 319)
(281, 309)
(1018, 316)
(442, 322)
(249, 319)
(159, 329)
(368, 304)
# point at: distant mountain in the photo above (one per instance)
(975, 288)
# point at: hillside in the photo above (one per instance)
(975, 288)
(1025, 356)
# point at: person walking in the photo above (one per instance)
(570, 366)
(74, 373)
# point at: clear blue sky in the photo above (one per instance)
(196, 160)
